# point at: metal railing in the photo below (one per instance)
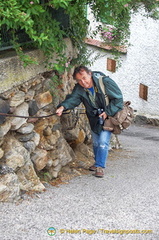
(6, 35)
(6, 38)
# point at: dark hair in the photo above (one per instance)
(80, 69)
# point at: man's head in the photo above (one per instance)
(83, 76)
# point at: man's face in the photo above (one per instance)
(84, 79)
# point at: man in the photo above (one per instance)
(88, 91)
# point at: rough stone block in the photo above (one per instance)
(43, 99)
(33, 108)
(17, 99)
(39, 158)
(21, 110)
(9, 187)
(4, 108)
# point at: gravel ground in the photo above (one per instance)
(91, 208)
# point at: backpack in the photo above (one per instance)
(122, 119)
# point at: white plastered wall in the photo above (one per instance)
(140, 65)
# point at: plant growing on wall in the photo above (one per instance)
(36, 19)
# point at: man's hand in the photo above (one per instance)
(59, 111)
(103, 115)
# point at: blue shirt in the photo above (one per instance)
(91, 90)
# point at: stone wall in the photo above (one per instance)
(36, 147)
(35, 150)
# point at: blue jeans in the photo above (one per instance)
(101, 147)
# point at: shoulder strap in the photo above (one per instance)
(103, 90)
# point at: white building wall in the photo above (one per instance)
(140, 65)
